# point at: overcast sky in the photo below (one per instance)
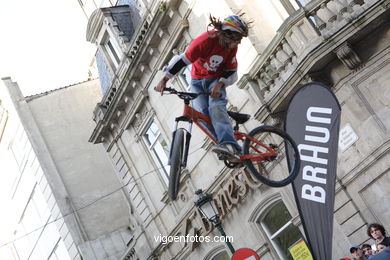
(42, 44)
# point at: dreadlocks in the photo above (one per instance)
(215, 23)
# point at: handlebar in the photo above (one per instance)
(185, 95)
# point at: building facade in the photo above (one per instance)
(98, 67)
(342, 43)
(32, 227)
(66, 202)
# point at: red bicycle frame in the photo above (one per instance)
(193, 115)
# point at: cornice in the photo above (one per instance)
(139, 102)
(95, 23)
(98, 133)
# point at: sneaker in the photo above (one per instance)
(221, 157)
(227, 152)
(224, 157)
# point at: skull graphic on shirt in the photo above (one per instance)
(213, 63)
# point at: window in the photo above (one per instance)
(159, 148)
(3, 119)
(277, 223)
(104, 75)
(17, 146)
(40, 205)
(38, 235)
(299, 3)
(59, 252)
(111, 50)
(47, 242)
(303, 2)
(29, 230)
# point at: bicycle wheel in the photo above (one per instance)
(266, 170)
(176, 164)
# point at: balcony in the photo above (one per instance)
(305, 43)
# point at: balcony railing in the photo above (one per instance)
(299, 41)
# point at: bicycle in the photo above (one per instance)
(260, 158)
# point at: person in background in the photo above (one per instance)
(214, 67)
(378, 233)
(345, 258)
(367, 250)
(357, 253)
(381, 247)
(384, 255)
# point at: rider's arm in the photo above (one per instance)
(228, 77)
(175, 65)
(196, 50)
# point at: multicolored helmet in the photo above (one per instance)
(236, 24)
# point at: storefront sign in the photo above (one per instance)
(300, 251)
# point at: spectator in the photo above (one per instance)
(381, 247)
(384, 255)
(378, 233)
(357, 253)
(367, 250)
(345, 258)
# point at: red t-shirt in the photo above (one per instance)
(209, 58)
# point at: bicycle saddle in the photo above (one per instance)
(238, 117)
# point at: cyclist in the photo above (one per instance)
(214, 67)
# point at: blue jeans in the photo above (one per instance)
(215, 108)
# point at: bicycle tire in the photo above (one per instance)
(284, 142)
(176, 164)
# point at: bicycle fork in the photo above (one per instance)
(186, 141)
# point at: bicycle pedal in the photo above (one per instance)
(222, 156)
(239, 165)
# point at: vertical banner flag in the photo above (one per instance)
(313, 121)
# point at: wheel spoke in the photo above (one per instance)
(271, 171)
